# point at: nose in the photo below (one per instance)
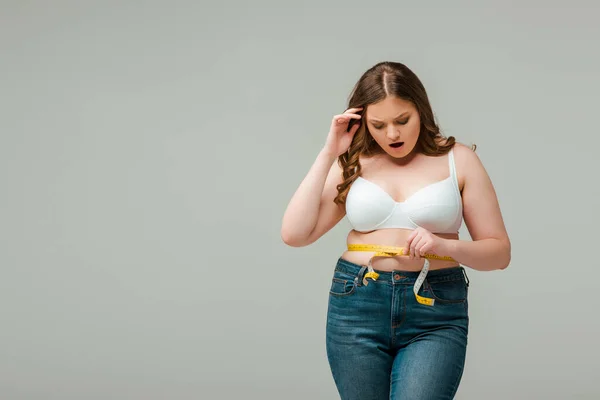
(392, 133)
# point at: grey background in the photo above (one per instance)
(148, 151)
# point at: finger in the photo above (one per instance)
(424, 250)
(343, 119)
(347, 116)
(355, 109)
(413, 235)
(410, 238)
(354, 129)
(422, 241)
(406, 251)
(413, 246)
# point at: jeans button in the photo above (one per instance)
(397, 277)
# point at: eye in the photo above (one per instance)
(403, 122)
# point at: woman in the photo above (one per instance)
(397, 318)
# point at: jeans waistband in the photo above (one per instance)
(436, 275)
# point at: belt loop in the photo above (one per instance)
(361, 275)
(466, 277)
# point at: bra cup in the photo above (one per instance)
(435, 208)
(367, 208)
(434, 217)
(437, 217)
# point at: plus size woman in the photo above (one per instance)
(397, 321)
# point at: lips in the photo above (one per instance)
(396, 145)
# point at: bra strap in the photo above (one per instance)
(452, 166)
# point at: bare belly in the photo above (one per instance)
(391, 237)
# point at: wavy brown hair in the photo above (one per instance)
(378, 82)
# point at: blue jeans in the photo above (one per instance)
(382, 344)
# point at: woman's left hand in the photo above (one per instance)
(421, 242)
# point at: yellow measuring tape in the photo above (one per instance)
(392, 251)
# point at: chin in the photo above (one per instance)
(401, 152)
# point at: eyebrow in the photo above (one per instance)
(378, 120)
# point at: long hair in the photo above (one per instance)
(378, 82)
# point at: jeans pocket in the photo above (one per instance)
(342, 284)
(454, 291)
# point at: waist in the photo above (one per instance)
(394, 238)
(388, 237)
(394, 263)
(397, 276)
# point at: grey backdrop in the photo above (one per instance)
(149, 149)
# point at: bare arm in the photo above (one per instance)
(311, 211)
(490, 248)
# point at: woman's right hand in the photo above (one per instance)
(339, 139)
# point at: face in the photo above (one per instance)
(394, 123)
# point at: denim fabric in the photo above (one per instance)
(382, 344)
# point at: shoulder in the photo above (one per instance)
(467, 162)
(464, 153)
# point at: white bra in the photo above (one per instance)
(436, 207)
